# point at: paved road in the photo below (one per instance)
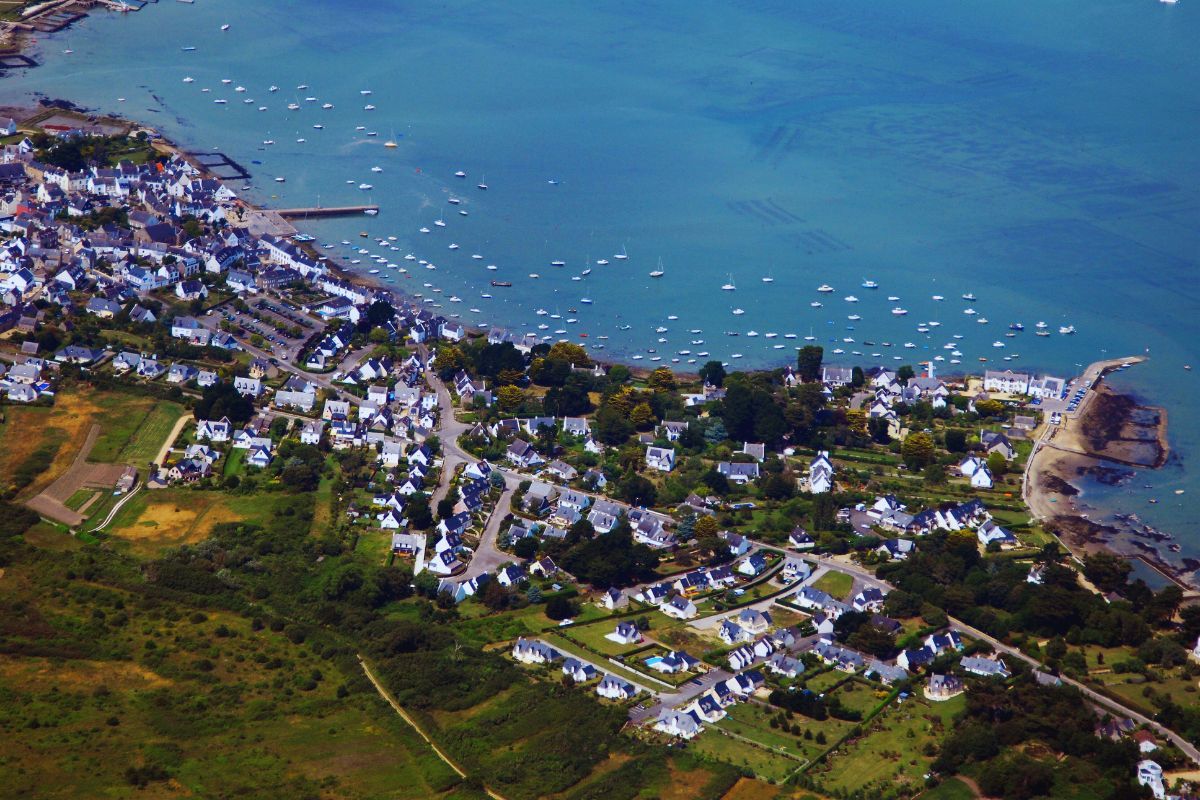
(868, 579)
(212, 323)
(697, 686)
(488, 555)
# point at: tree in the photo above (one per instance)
(917, 449)
(1108, 572)
(905, 374)
(706, 526)
(448, 361)
(956, 440)
(713, 373)
(571, 353)
(419, 515)
(610, 426)
(808, 362)
(877, 427)
(857, 377)
(222, 400)
(637, 491)
(526, 547)
(380, 313)
(642, 416)
(662, 380)
(559, 608)
(509, 399)
(989, 408)
(997, 464)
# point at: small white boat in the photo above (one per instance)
(730, 286)
(368, 107)
(327, 106)
(869, 284)
(460, 174)
(1066, 330)
(825, 288)
(899, 312)
(815, 304)
(189, 79)
(376, 169)
(938, 297)
(273, 89)
(621, 256)
(280, 179)
(225, 27)
(737, 312)
(365, 186)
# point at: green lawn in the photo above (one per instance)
(891, 752)
(592, 637)
(754, 722)
(81, 496)
(823, 681)
(836, 584)
(952, 789)
(135, 431)
(859, 696)
(763, 763)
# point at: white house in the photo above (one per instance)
(613, 688)
(679, 607)
(820, 473)
(660, 458)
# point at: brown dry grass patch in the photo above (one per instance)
(41, 675)
(170, 519)
(26, 428)
(750, 789)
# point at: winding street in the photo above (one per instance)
(488, 556)
(1186, 747)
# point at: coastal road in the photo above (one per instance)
(1186, 747)
(868, 579)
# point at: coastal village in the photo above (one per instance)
(777, 571)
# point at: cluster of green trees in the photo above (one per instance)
(1001, 724)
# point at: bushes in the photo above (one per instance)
(34, 464)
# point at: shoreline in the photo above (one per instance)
(1048, 493)
(1092, 444)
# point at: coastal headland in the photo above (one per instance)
(1106, 439)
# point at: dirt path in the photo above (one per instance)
(165, 450)
(52, 501)
(386, 695)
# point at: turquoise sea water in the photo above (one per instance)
(1042, 156)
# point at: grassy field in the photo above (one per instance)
(860, 696)
(952, 789)
(122, 427)
(151, 433)
(76, 500)
(823, 681)
(63, 427)
(893, 749)
(160, 518)
(592, 637)
(754, 722)
(220, 708)
(763, 763)
(836, 584)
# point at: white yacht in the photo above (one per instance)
(869, 284)
(825, 288)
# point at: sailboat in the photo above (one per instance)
(769, 277)
(621, 256)
(729, 287)
(391, 143)
(658, 273)
(483, 183)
